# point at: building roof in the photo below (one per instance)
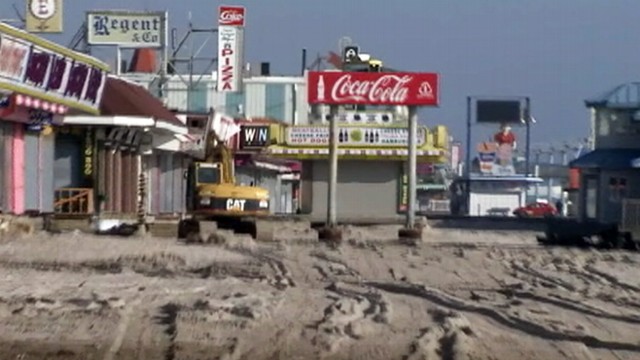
(143, 61)
(608, 159)
(624, 96)
(124, 98)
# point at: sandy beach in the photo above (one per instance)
(457, 295)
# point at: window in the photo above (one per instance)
(591, 198)
(208, 175)
(603, 123)
(617, 188)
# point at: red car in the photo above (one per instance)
(536, 210)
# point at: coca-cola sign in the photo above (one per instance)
(371, 88)
(231, 15)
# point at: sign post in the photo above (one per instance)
(371, 88)
(413, 168)
(332, 216)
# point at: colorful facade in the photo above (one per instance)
(40, 82)
(371, 177)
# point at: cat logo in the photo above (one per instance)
(235, 204)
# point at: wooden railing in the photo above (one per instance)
(74, 201)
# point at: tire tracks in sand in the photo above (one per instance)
(122, 329)
(529, 327)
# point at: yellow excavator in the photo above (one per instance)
(214, 200)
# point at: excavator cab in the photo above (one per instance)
(209, 194)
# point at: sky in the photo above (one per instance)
(558, 53)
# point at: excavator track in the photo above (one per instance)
(262, 229)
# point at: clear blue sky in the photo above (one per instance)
(558, 52)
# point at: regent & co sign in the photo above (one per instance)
(126, 29)
(46, 71)
(354, 88)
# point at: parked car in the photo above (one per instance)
(538, 209)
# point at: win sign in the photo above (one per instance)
(254, 136)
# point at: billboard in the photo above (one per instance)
(231, 22)
(373, 88)
(126, 29)
(44, 16)
(496, 157)
(498, 111)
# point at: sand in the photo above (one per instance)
(459, 295)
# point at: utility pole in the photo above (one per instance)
(413, 168)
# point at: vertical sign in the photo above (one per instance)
(88, 154)
(44, 16)
(403, 189)
(231, 22)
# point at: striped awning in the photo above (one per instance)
(35, 103)
(353, 152)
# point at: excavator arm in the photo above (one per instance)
(216, 151)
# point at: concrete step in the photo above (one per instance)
(65, 225)
(164, 229)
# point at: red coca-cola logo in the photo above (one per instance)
(385, 89)
(231, 16)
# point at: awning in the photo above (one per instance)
(263, 162)
(608, 159)
(122, 97)
(433, 155)
(513, 178)
(123, 121)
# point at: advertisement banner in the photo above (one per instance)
(353, 136)
(48, 72)
(371, 88)
(496, 157)
(44, 16)
(231, 21)
(231, 15)
(126, 29)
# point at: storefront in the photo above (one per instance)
(40, 82)
(370, 168)
(135, 155)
